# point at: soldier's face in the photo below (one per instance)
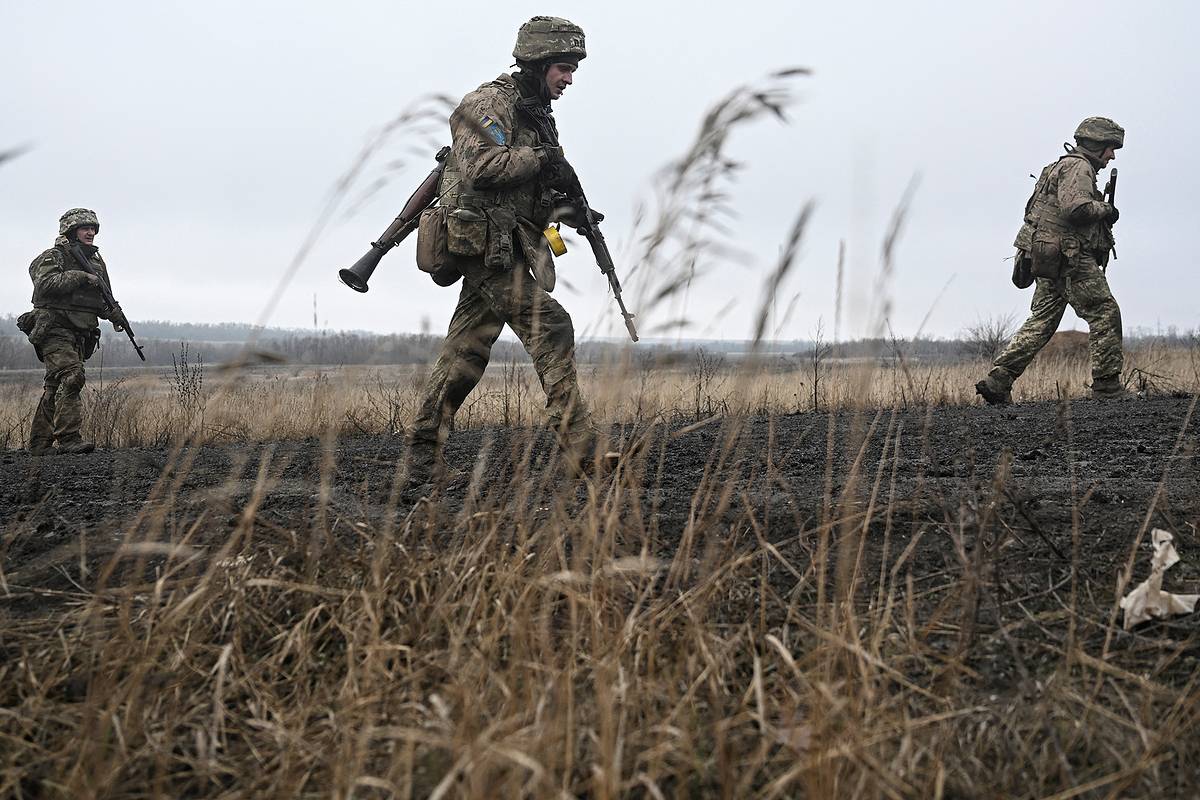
(85, 233)
(558, 78)
(1108, 155)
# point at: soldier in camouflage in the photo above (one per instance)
(1067, 236)
(64, 330)
(498, 193)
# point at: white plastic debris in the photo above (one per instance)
(1148, 600)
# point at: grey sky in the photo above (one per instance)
(208, 136)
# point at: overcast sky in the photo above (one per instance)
(208, 137)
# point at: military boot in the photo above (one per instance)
(78, 445)
(41, 447)
(995, 390)
(585, 453)
(1109, 389)
(592, 463)
(428, 470)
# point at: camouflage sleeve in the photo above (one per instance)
(481, 127)
(50, 275)
(1077, 193)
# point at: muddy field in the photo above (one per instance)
(1006, 533)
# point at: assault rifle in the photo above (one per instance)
(590, 230)
(1110, 197)
(589, 225)
(86, 265)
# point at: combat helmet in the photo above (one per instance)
(75, 218)
(1101, 130)
(543, 37)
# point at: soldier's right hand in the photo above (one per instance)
(550, 155)
(555, 169)
(1111, 215)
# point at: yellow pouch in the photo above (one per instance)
(557, 245)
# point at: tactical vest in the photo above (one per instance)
(532, 200)
(1042, 213)
(87, 298)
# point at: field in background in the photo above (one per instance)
(152, 407)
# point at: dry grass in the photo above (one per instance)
(540, 642)
(149, 408)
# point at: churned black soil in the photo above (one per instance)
(1034, 508)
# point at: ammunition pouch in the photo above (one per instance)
(499, 252)
(1022, 276)
(36, 324)
(433, 253)
(432, 250)
(1046, 255)
(466, 232)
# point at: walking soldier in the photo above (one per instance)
(1064, 246)
(498, 192)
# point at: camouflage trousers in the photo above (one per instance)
(59, 414)
(489, 300)
(1085, 288)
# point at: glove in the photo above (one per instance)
(555, 170)
(117, 318)
(83, 279)
(550, 155)
(1111, 215)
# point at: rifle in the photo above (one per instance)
(406, 222)
(589, 229)
(86, 265)
(1110, 197)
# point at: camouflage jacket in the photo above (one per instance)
(495, 164)
(59, 284)
(1067, 205)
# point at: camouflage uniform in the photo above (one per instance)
(496, 194)
(1068, 231)
(64, 331)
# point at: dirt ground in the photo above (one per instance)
(1046, 483)
(1120, 465)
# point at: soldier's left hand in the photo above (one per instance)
(1112, 215)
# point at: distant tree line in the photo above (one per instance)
(225, 342)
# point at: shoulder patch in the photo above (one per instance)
(493, 129)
